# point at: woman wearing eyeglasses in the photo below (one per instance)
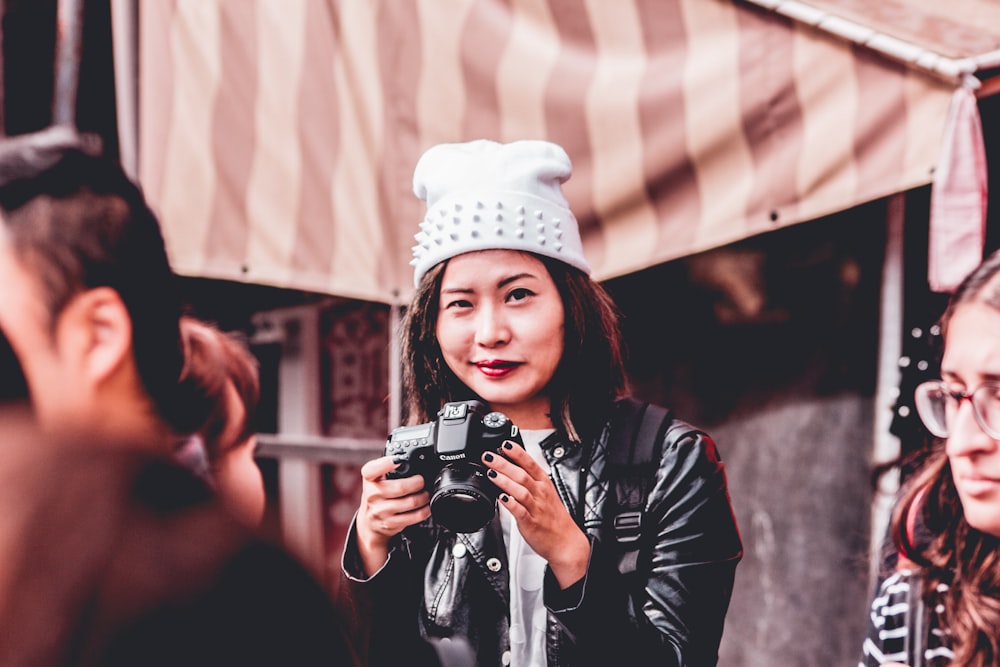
(942, 606)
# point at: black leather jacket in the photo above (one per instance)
(440, 584)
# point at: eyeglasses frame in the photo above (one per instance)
(959, 396)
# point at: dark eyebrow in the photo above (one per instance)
(951, 376)
(502, 283)
(509, 279)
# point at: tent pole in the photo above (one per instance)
(3, 85)
(125, 47)
(395, 364)
(886, 446)
(69, 38)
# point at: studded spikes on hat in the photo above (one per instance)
(483, 195)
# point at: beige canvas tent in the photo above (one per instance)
(277, 137)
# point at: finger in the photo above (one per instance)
(512, 458)
(507, 470)
(395, 489)
(401, 520)
(514, 451)
(513, 489)
(389, 523)
(519, 455)
(516, 509)
(403, 486)
(414, 501)
(381, 506)
(377, 468)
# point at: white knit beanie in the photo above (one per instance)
(483, 195)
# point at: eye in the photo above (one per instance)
(952, 387)
(457, 303)
(519, 294)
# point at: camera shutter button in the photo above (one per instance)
(558, 452)
(459, 550)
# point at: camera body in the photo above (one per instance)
(447, 454)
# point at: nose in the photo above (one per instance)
(491, 327)
(966, 435)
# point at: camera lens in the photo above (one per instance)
(463, 499)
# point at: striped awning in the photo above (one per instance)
(277, 138)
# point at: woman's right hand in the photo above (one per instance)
(387, 507)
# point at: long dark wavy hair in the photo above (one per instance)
(589, 377)
(963, 558)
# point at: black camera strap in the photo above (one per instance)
(634, 446)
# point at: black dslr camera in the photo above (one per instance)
(447, 454)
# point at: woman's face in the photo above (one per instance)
(500, 328)
(971, 357)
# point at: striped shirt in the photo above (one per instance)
(889, 628)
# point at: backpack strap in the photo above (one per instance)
(634, 444)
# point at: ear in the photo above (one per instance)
(97, 330)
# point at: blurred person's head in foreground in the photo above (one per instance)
(89, 302)
(114, 555)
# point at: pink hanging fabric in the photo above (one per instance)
(958, 197)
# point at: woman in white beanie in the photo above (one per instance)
(506, 313)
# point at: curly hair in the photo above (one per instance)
(957, 555)
(214, 361)
(589, 377)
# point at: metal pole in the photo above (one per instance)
(3, 82)
(395, 365)
(300, 486)
(886, 445)
(69, 38)
(125, 41)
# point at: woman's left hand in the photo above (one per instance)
(544, 522)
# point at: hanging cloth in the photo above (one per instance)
(958, 197)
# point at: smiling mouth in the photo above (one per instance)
(497, 365)
(496, 368)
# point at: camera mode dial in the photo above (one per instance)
(495, 420)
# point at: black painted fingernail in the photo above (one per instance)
(507, 444)
(487, 456)
(397, 460)
(491, 473)
(503, 497)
